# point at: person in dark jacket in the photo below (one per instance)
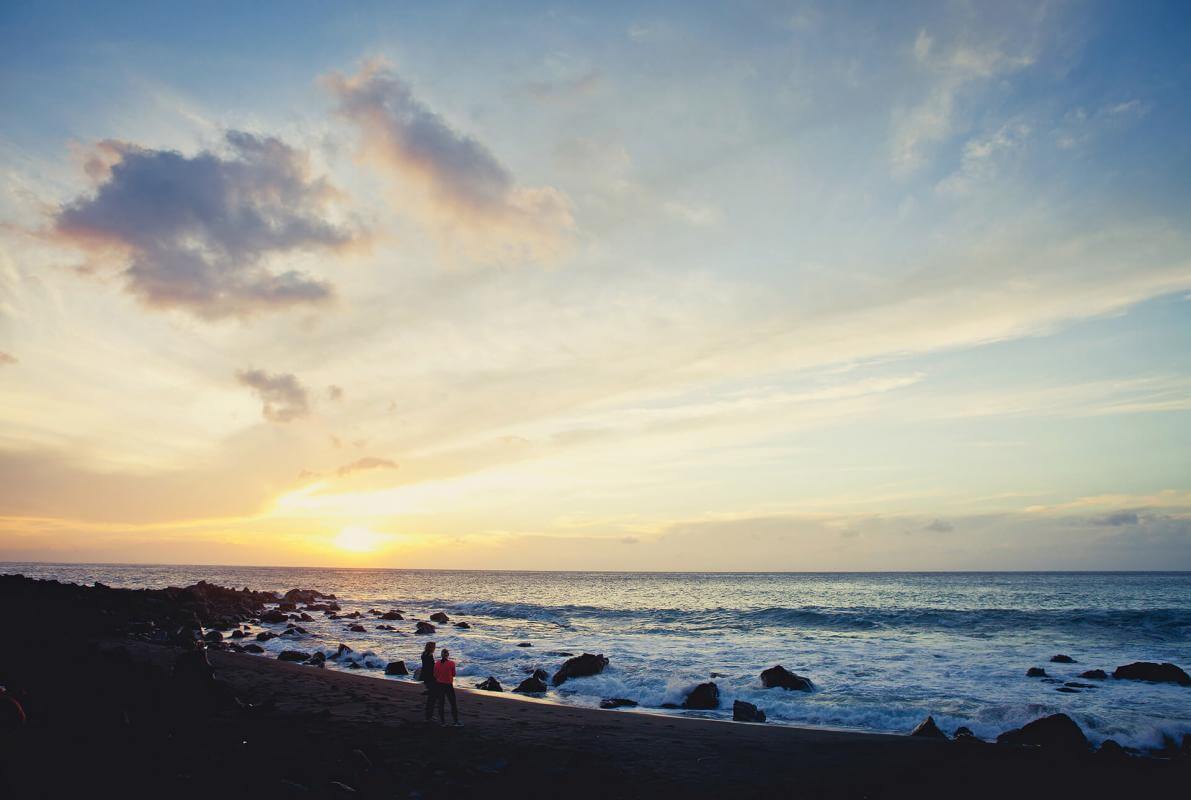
(428, 679)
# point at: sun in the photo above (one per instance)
(358, 539)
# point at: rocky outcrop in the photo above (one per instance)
(927, 729)
(703, 696)
(1062, 659)
(618, 702)
(274, 616)
(253, 648)
(580, 667)
(293, 655)
(265, 636)
(1035, 672)
(357, 628)
(396, 668)
(779, 677)
(1094, 675)
(1056, 732)
(305, 596)
(531, 685)
(440, 618)
(746, 712)
(1154, 673)
(392, 615)
(424, 628)
(490, 684)
(462, 625)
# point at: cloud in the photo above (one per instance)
(366, 463)
(980, 156)
(1118, 519)
(199, 233)
(940, 526)
(7, 358)
(470, 198)
(334, 392)
(284, 398)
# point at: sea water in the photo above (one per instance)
(884, 650)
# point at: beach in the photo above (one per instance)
(108, 715)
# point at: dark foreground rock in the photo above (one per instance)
(928, 730)
(746, 712)
(1056, 732)
(703, 696)
(396, 668)
(490, 684)
(579, 667)
(293, 655)
(440, 618)
(424, 628)
(1035, 672)
(782, 678)
(1155, 673)
(617, 702)
(531, 685)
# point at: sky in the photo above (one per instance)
(740, 286)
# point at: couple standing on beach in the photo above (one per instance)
(439, 677)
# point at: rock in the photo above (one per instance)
(1067, 690)
(1154, 673)
(1056, 732)
(1035, 672)
(540, 674)
(525, 644)
(670, 705)
(357, 628)
(341, 651)
(376, 611)
(561, 654)
(927, 729)
(293, 655)
(353, 615)
(265, 636)
(391, 616)
(462, 625)
(319, 659)
(213, 636)
(253, 648)
(440, 618)
(1109, 750)
(580, 667)
(304, 617)
(396, 668)
(1062, 659)
(1078, 685)
(964, 734)
(618, 702)
(490, 684)
(273, 615)
(306, 596)
(1094, 675)
(424, 628)
(237, 634)
(531, 685)
(780, 677)
(703, 696)
(746, 712)
(288, 608)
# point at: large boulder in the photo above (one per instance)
(396, 668)
(462, 625)
(253, 648)
(579, 667)
(293, 655)
(1062, 659)
(746, 712)
(1094, 675)
(1056, 732)
(424, 628)
(779, 677)
(273, 615)
(1035, 672)
(391, 615)
(265, 636)
(1155, 673)
(617, 702)
(927, 729)
(703, 696)
(490, 684)
(357, 628)
(319, 659)
(531, 685)
(440, 618)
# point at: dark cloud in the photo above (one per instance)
(284, 398)
(7, 358)
(196, 232)
(940, 526)
(366, 463)
(1118, 519)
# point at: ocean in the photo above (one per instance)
(884, 650)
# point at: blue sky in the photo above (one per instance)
(788, 285)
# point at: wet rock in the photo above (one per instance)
(1078, 685)
(287, 608)
(531, 685)
(1154, 673)
(440, 618)
(391, 616)
(237, 634)
(265, 636)
(353, 615)
(540, 674)
(305, 596)
(1035, 672)
(964, 734)
(618, 702)
(670, 705)
(779, 677)
(357, 628)
(319, 659)
(1094, 675)
(561, 654)
(396, 668)
(579, 667)
(1056, 732)
(424, 628)
(1067, 690)
(273, 615)
(213, 636)
(490, 684)
(462, 625)
(1062, 659)
(746, 712)
(1109, 750)
(927, 729)
(253, 648)
(375, 611)
(703, 696)
(304, 617)
(341, 651)
(525, 644)
(293, 655)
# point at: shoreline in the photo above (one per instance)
(123, 717)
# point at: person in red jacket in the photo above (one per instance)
(444, 676)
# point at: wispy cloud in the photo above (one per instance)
(284, 398)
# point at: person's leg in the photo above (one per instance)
(442, 698)
(431, 697)
(454, 705)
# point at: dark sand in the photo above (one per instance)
(106, 719)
